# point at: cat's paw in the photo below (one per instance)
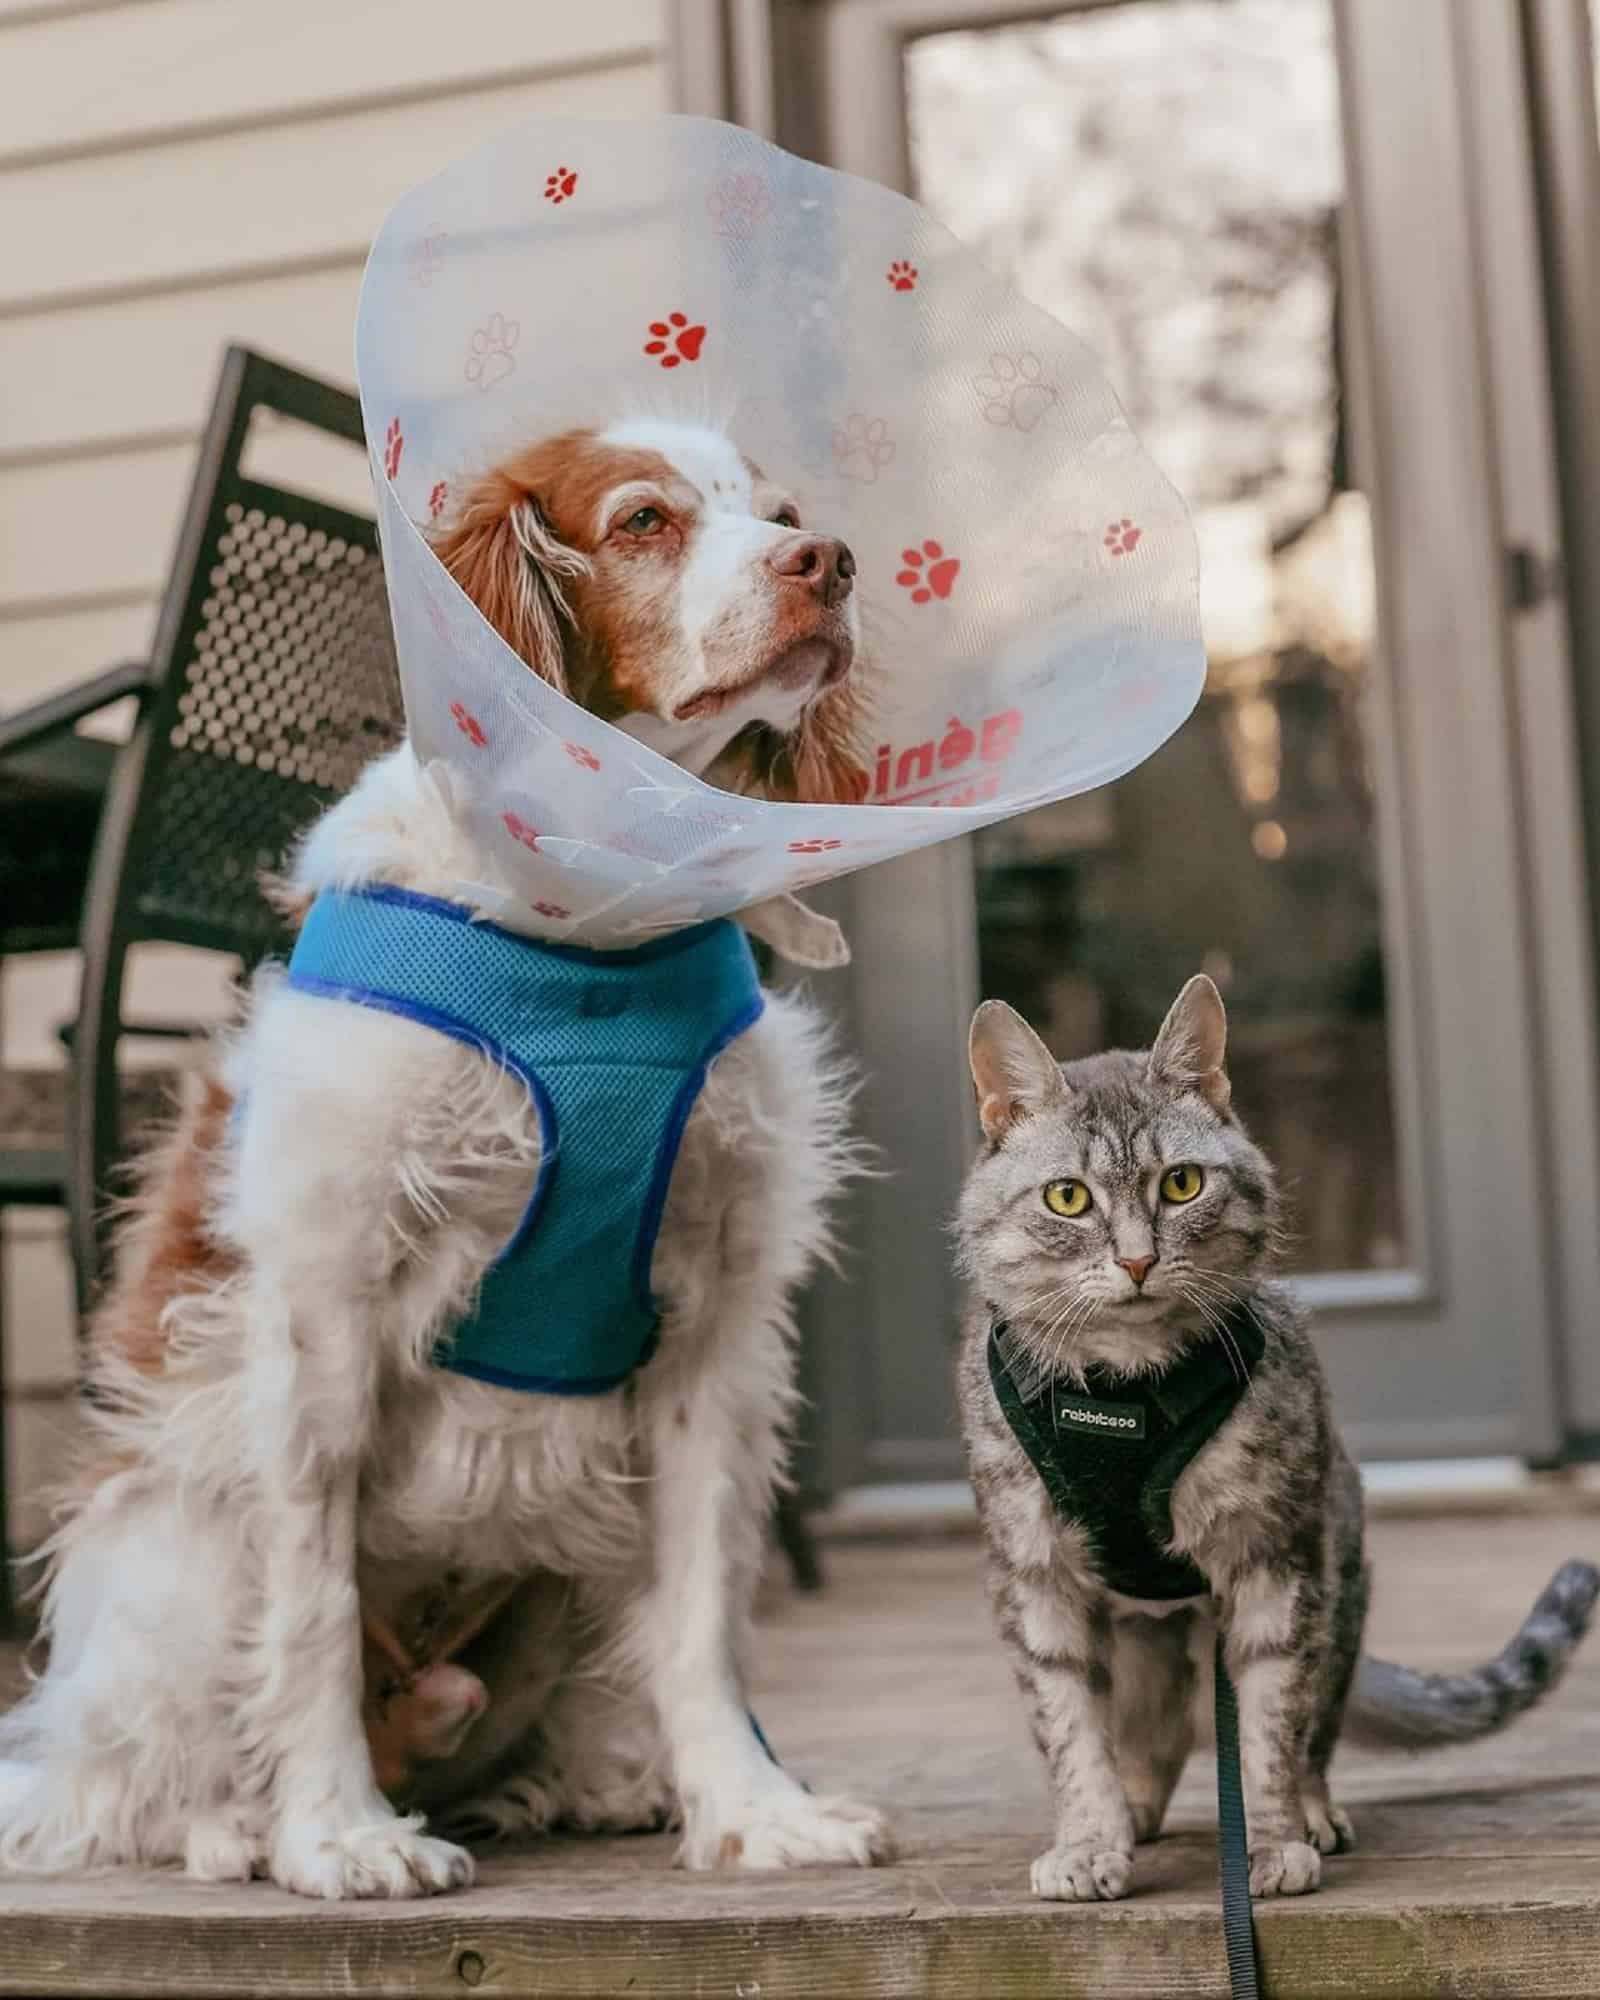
(1329, 1830)
(1284, 1868)
(1084, 1873)
(619, 1803)
(389, 1858)
(521, 1808)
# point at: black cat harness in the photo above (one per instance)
(1109, 1454)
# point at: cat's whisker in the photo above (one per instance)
(1219, 1326)
(1231, 1293)
(1219, 1297)
(1073, 1333)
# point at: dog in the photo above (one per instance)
(284, 1476)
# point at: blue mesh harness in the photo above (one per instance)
(613, 1048)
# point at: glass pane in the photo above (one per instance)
(1165, 175)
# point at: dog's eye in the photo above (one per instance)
(786, 517)
(645, 522)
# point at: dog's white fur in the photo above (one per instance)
(202, 1702)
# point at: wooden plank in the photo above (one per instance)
(72, 387)
(85, 528)
(296, 195)
(1478, 1874)
(42, 655)
(92, 81)
(1403, 1929)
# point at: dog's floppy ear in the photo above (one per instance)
(815, 763)
(501, 550)
(812, 764)
(804, 937)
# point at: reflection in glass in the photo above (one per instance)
(1166, 176)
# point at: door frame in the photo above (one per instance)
(1561, 58)
(1439, 161)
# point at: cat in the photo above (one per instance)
(1118, 1234)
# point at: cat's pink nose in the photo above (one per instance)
(1137, 1268)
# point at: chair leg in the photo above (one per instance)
(8, 1600)
(798, 1543)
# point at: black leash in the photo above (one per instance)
(1233, 1842)
(1109, 1456)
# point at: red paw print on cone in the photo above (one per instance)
(1122, 537)
(676, 341)
(436, 501)
(902, 276)
(519, 829)
(393, 444)
(814, 846)
(561, 186)
(550, 909)
(928, 572)
(579, 755)
(469, 725)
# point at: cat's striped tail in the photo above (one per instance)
(1394, 1707)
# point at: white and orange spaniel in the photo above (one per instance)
(551, 1590)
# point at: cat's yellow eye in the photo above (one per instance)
(1181, 1183)
(1066, 1197)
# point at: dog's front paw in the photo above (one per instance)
(383, 1858)
(788, 1829)
(1284, 1868)
(1082, 1873)
(220, 1847)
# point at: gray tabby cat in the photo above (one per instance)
(1118, 1234)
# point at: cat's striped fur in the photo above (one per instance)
(1270, 1510)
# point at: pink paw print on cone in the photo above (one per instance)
(1122, 537)
(393, 445)
(519, 830)
(739, 203)
(555, 910)
(436, 500)
(490, 356)
(814, 846)
(469, 725)
(586, 758)
(862, 447)
(928, 572)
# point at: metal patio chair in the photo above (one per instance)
(271, 683)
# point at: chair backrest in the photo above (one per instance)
(274, 681)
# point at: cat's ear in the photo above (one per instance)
(1015, 1074)
(1189, 1051)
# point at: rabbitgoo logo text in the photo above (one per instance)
(1111, 1419)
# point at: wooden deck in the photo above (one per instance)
(1478, 1872)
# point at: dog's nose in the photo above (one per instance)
(1137, 1268)
(818, 562)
